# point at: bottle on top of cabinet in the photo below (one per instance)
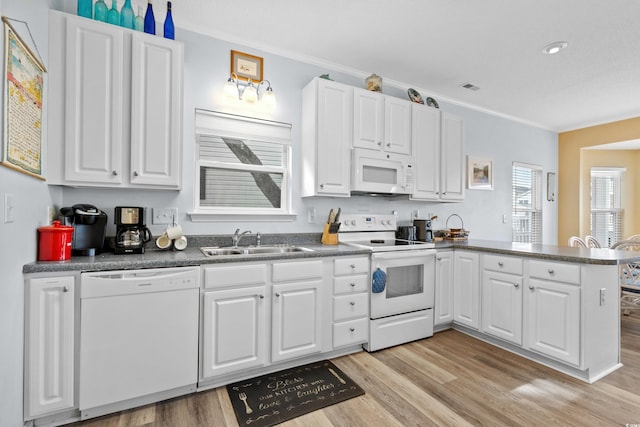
(149, 20)
(127, 20)
(168, 24)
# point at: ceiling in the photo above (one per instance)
(436, 46)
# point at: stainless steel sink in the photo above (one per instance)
(252, 250)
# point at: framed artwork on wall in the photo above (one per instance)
(479, 173)
(246, 66)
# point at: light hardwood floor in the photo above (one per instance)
(448, 379)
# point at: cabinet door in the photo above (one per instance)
(333, 139)
(397, 125)
(425, 138)
(94, 102)
(466, 289)
(49, 360)
(156, 111)
(368, 119)
(502, 305)
(452, 160)
(553, 322)
(296, 320)
(443, 307)
(233, 330)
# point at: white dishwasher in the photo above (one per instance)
(138, 337)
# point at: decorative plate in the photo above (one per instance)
(432, 102)
(415, 96)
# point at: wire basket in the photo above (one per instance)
(456, 233)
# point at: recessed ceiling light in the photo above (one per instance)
(554, 47)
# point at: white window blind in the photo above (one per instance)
(606, 205)
(527, 203)
(243, 165)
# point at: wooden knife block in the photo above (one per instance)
(330, 234)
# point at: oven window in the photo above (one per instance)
(379, 175)
(404, 281)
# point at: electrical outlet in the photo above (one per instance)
(311, 215)
(9, 207)
(603, 292)
(164, 215)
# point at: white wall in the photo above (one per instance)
(206, 68)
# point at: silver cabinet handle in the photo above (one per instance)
(380, 143)
(114, 173)
(388, 144)
(277, 294)
(353, 285)
(261, 296)
(516, 285)
(65, 289)
(135, 173)
(439, 258)
(352, 329)
(500, 264)
(353, 266)
(321, 185)
(551, 271)
(531, 287)
(352, 303)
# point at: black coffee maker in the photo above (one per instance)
(131, 232)
(424, 232)
(89, 227)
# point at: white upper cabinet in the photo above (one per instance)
(115, 116)
(381, 122)
(326, 139)
(438, 144)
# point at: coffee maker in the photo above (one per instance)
(131, 232)
(424, 232)
(89, 227)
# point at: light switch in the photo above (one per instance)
(9, 207)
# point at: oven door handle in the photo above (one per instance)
(379, 281)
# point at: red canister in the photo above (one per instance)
(55, 242)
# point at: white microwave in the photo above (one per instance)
(377, 172)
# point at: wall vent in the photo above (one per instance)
(469, 86)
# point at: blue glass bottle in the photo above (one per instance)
(139, 21)
(126, 15)
(100, 11)
(168, 24)
(149, 20)
(85, 8)
(113, 17)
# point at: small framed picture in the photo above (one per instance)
(246, 66)
(480, 173)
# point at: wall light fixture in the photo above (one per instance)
(249, 92)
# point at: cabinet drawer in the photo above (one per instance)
(223, 277)
(350, 284)
(503, 264)
(350, 306)
(344, 266)
(350, 332)
(286, 271)
(556, 271)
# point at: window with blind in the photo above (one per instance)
(243, 165)
(606, 205)
(527, 203)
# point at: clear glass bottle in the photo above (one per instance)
(149, 19)
(100, 11)
(126, 15)
(85, 8)
(139, 21)
(113, 17)
(169, 31)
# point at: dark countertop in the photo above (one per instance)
(155, 258)
(602, 256)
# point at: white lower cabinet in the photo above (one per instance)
(350, 301)
(443, 307)
(254, 314)
(553, 307)
(228, 349)
(49, 346)
(466, 289)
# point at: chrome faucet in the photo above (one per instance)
(237, 236)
